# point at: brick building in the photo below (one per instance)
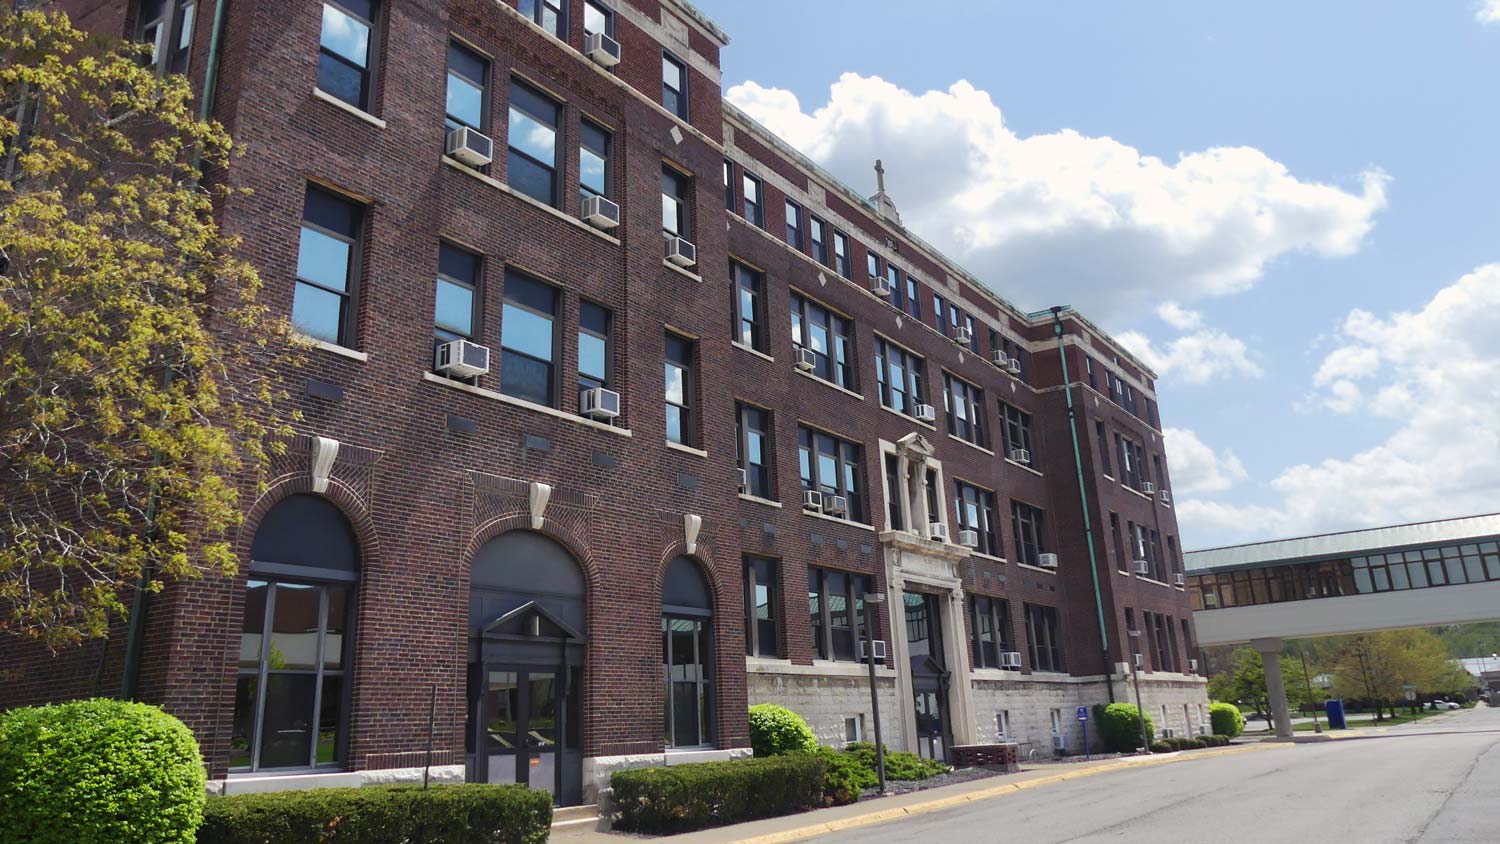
(725, 398)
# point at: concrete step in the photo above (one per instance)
(572, 816)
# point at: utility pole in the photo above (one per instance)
(874, 598)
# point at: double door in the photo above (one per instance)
(525, 725)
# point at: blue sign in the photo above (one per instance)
(1083, 713)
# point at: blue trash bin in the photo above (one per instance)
(1335, 711)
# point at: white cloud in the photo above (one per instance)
(1197, 468)
(1487, 11)
(1195, 358)
(1063, 217)
(1435, 373)
(1179, 317)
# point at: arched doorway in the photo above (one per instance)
(526, 621)
(291, 700)
(687, 655)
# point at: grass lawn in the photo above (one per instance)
(1368, 720)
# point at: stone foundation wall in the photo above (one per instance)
(827, 695)
(1030, 700)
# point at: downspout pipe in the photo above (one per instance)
(1083, 498)
(135, 633)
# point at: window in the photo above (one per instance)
(895, 487)
(593, 346)
(1174, 563)
(836, 606)
(167, 25)
(1161, 475)
(990, 626)
(547, 14)
(760, 608)
(964, 404)
(973, 335)
(854, 728)
(900, 375)
(528, 339)
(674, 203)
(597, 19)
(729, 184)
(1002, 724)
(976, 512)
(831, 466)
(913, 297)
(841, 254)
(674, 91)
(1122, 561)
(828, 336)
(1088, 364)
(756, 449)
(818, 232)
(533, 143)
(794, 225)
(1017, 430)
(457, 284)
(291, 694)
(345, 51)
(327, 267)
(1101, 444)
(468, 80)
(1139, 543)
(872, 265)
(1042, 636)
(938, 306)
(679, 390)
(754, 212)
(1026, 523)
(593, 160)
(898, 292)
(687, 655)
(749, 306)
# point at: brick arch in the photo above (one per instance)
(571, 542)
(338, 493)
(703, 556)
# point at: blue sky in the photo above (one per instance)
(1328, 238)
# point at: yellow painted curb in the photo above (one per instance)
(789, 835)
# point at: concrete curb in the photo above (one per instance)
(881, 816)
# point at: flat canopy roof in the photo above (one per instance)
(1348, 543)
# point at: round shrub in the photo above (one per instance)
(99, 772)
(845, 776)
(777, 731)
(1225, 718)
(1120, 727)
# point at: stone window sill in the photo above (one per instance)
(355, 111)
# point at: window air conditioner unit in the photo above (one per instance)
(681, 252)
(836, 505)
(602, 49)
(1122, 668)
(470, 147)
(1140, 566)
(937, 531)
(1021, 455)
(743, 478)
(1059, 743)
(812, 500)
(599, 403)
(1148, 487)
(807, 360)
(1014, 367)
(1179, 579)
(462, 359)
(968, 538)
(1046, 561)
(1166, 496)
(880, 286)
(1010, 659)
(999, 358)
(865, 648)
(1192, 666)
(600, 213)
(962, 335)
(925, 413)
(1139, 661)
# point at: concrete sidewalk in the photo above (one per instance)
(808, 824)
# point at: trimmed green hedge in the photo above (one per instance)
(1120, 727)
(1167, 745)
(899, 765)
(382, 814)
(1226, 719)
(98, 772)
(682, 798)
(845, 775)
(777, 731)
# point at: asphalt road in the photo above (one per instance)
(1432, 782)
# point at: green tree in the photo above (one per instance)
(1244, 681)
(1378, 666)
(128, 334)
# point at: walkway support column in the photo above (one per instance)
(1270, 656)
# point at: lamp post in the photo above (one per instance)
(1307, 681)
(874, 598)
(1135, 672)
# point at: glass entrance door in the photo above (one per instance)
(528, 717)
(929, 676)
